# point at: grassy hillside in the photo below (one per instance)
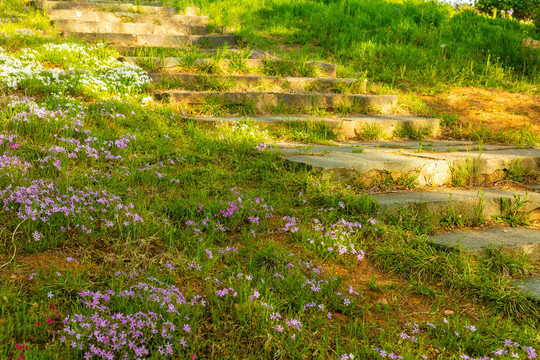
(410, 44)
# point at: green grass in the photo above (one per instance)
(410, 44)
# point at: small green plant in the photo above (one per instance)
(311, 131)
(148, 63)
(411, 132)
(270, 257)
(371, 131)
(417, 287)
(451, 218)
(466, 172)
(479, 209)
(214, 83)
(276, 68)
(503, 264)
(449, 120)
(190, 59)
(306, 70)
(373, 286)
(409, 180)
(357, 149)
(514, 213)
(517, 172)
(212, 106)
(425, 147)
(237, 63)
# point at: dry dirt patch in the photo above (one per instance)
(497, 110)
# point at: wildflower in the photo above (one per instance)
(472, 328)
(37, 236)
(255, 295)
(50, 295)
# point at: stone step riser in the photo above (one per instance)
(429, 172)
(87, 6)
(155, 40)
(128, 28)
(326, 70)
(105, 2)
(469, 204)
(126, 17)
(346, 128)
(430, 168)
(287, 83)
(513, 241)
(264, 101)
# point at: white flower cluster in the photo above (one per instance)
(93, 70)
(234, 130)
(13, 70)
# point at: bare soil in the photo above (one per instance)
(496, 110)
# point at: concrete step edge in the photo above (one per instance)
(104, 27)
(121, 17)
(151, 40)
(329, 70)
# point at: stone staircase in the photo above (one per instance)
(432, 176)
(125, 24)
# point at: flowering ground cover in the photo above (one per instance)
(128, 232)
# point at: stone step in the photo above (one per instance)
(325, 69)
(515, 241)
(126, 17)
(106, 7)
(345, 126)
(107, 2)
(104, 27)
(262, 101)
(248, 82)
(530, 287)
(155, 40)
(470, 204)
(370, 162)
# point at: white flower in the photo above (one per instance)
(146, 100)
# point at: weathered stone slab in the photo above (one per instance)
(343, 126)
(512, 240)
(39, 3)
(267, 121)
(104, 27)
(155, 40)
(532, 187)
(470, 204)
(326, 70)
(264, 100)
(287, 83)
(388, 124)
(433, 168)
(428, 146)
(126, 17)
(489, 166)
(370, 164)
(89, 6)
(529, 287)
